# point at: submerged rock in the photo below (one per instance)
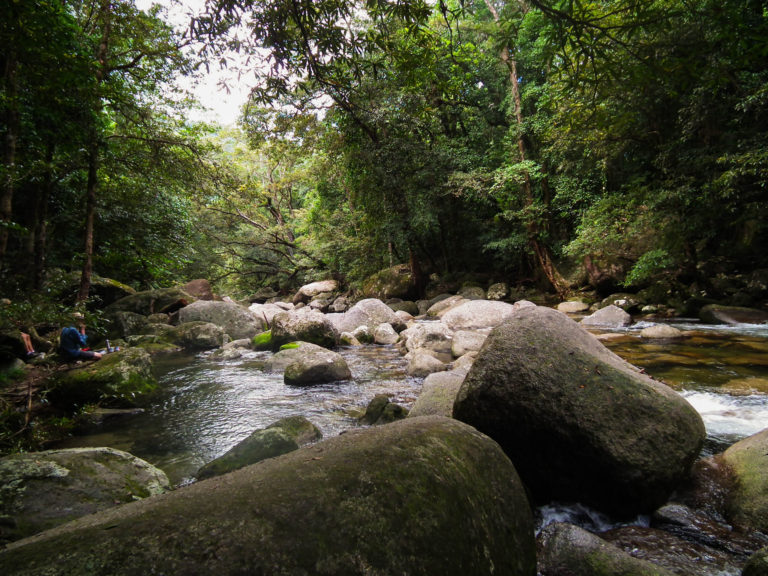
(719, 314)
(580, 423)
(422, 496)
(747, 502)
(567, 550)
(40, 490)
(661, 331)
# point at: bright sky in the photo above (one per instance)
(222, 106)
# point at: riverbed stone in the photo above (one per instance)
(567, 550)
(611, 316)
(309, 291)
(467, 341)
(237, 321)
(472, 292)
(421, 364)
(381, 410)
(438, 394)
(434, 336)
(312, 364)
(40, 490)
(385, 334)
(441, 304)
(199, 335)
(258, 446)
(337, 507)
(369, 312)
(200, 288)
(266, 312)
(119, 379)
(477, 314)
(747, 502)
(304, 325)
(573, 307)
(661, 332)
(580, 423)
(298, 428)
(719, 314)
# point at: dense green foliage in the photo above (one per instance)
(485, 139)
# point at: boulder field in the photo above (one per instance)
(420, 496)
(579, 423)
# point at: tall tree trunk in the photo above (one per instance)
(40, 242)
(9, 149)
(94, 153)
(540, 250)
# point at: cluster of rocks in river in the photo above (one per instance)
(520, 406)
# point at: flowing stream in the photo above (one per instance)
(205, 406)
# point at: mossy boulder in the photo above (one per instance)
(235, 320)
(747, 502)
(262, 341)
(422, 496)
(312, 364)
(151, 301)
(567, 550)
(580, 423)
(757, 565)
(719, 314)
(40, 490)
(260, 445)
(199, 335)
(394, 282)
(381, 410)
(119, 379)
(438, 393)
(278, 438)
(304, 325)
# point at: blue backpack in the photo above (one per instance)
(69, 341)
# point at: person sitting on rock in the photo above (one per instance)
(73, 343)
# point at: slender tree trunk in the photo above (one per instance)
(540, 250)
(9, 152)
(94, 154)
(40, 245)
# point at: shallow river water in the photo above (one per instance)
(205, 406)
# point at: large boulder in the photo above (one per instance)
(421, 364)
(747, 502)
(422, 496)
(124, 323)
(304, 325)
(438, 393)
(119, 379)
(312, 364)
(235, 320)
(151, 301)
(266, 312)
(477, 314)
(718, 314)
(465, 341)
(199, 335)
(567, 550)
(610, 316)
(199, 288)
(260, 445)
(579, 422)
(309, 291)
(41, 490)
(369, 312)
(434, 336)
(394, 282)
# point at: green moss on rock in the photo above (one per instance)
(422, 496)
